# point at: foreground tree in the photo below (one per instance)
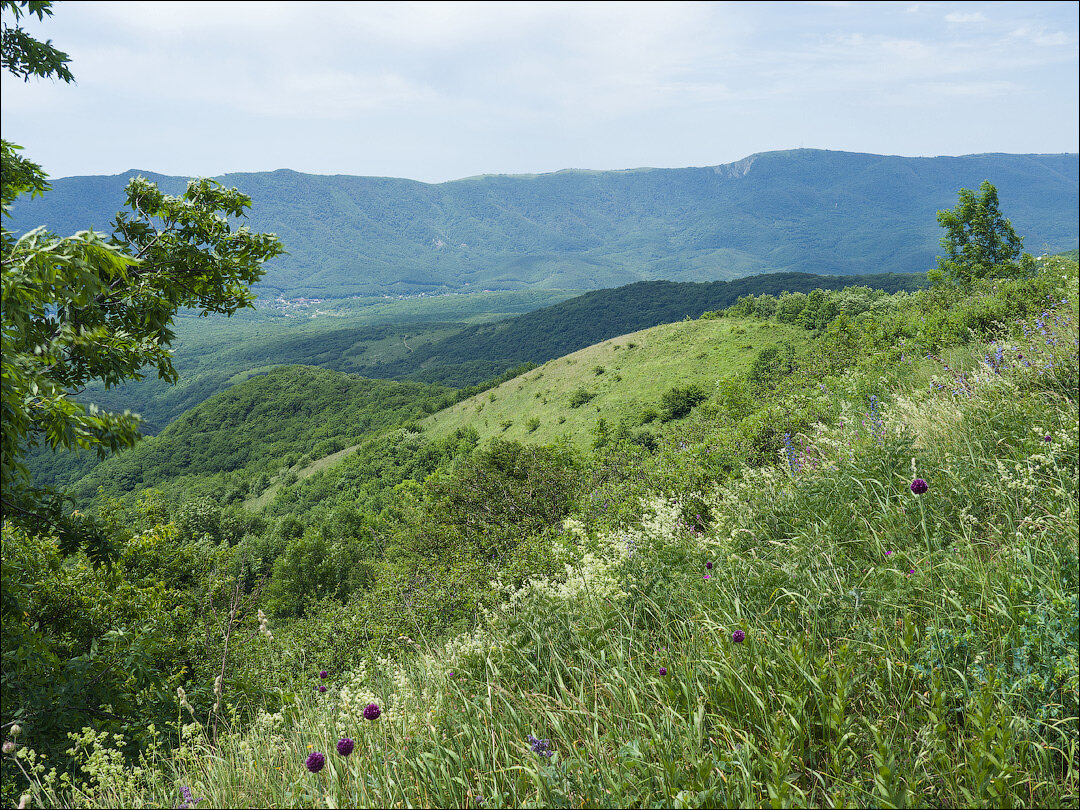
(979, 242)
(94, 307)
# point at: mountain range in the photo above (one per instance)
(805, 210)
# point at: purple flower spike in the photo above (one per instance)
(919, 486)
(315, 762)
(372, 711)
(187, 800)
(321, 688)
(541, 747)
(345, 746)
(738, 636)
(323, 674)
(663, 670)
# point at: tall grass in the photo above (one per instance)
(894, 649)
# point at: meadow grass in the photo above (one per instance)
(828, 638)
(622, 377)
(823, 634)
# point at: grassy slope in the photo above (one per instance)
(637, 369)
(899, 650)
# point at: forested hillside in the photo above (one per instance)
(231, 445)
(810, 211)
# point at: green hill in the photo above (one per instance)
(394, 341)
(622, 380)
(559, 329)
(279, 420)
(804, 210)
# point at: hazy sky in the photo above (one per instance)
(446, 90)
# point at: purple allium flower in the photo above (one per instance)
(919, 486)
(541, 747)
(323, 674)
(345, 746)
(738, 636)
(708, 566)
(663, 670)
(315, 762)
(1046, 438)
(372, 711)
(321, 688)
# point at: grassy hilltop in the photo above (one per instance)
(844, 572)
(622, 380)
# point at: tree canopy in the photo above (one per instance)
(99, 307)
(979, 241)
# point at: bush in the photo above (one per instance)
(580, 396)
(678, 402)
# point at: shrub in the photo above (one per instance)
(678, 402)
(580, 396)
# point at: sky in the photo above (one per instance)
(439, 91)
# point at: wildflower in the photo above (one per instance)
(1046, 438)
(263, 628)
(708, 566)
(372, 711)
(663, 670)
(451, 673)
(323, 674)
(182, 696)
(888, 553)
(910, 571)
(919, 486)
(16, 730)
(187, 801)
(9, 746)
(315, 762)
(706, 576)
(541, 747)
(345, 746)
(321, 688)
(738, 636)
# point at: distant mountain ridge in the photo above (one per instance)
(805, 210)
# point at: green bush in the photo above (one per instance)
(580, 396)
(677, 402)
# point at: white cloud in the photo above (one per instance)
(533, 85)
(965, 17)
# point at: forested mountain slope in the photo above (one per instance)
(275, 420)
(801, 210)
